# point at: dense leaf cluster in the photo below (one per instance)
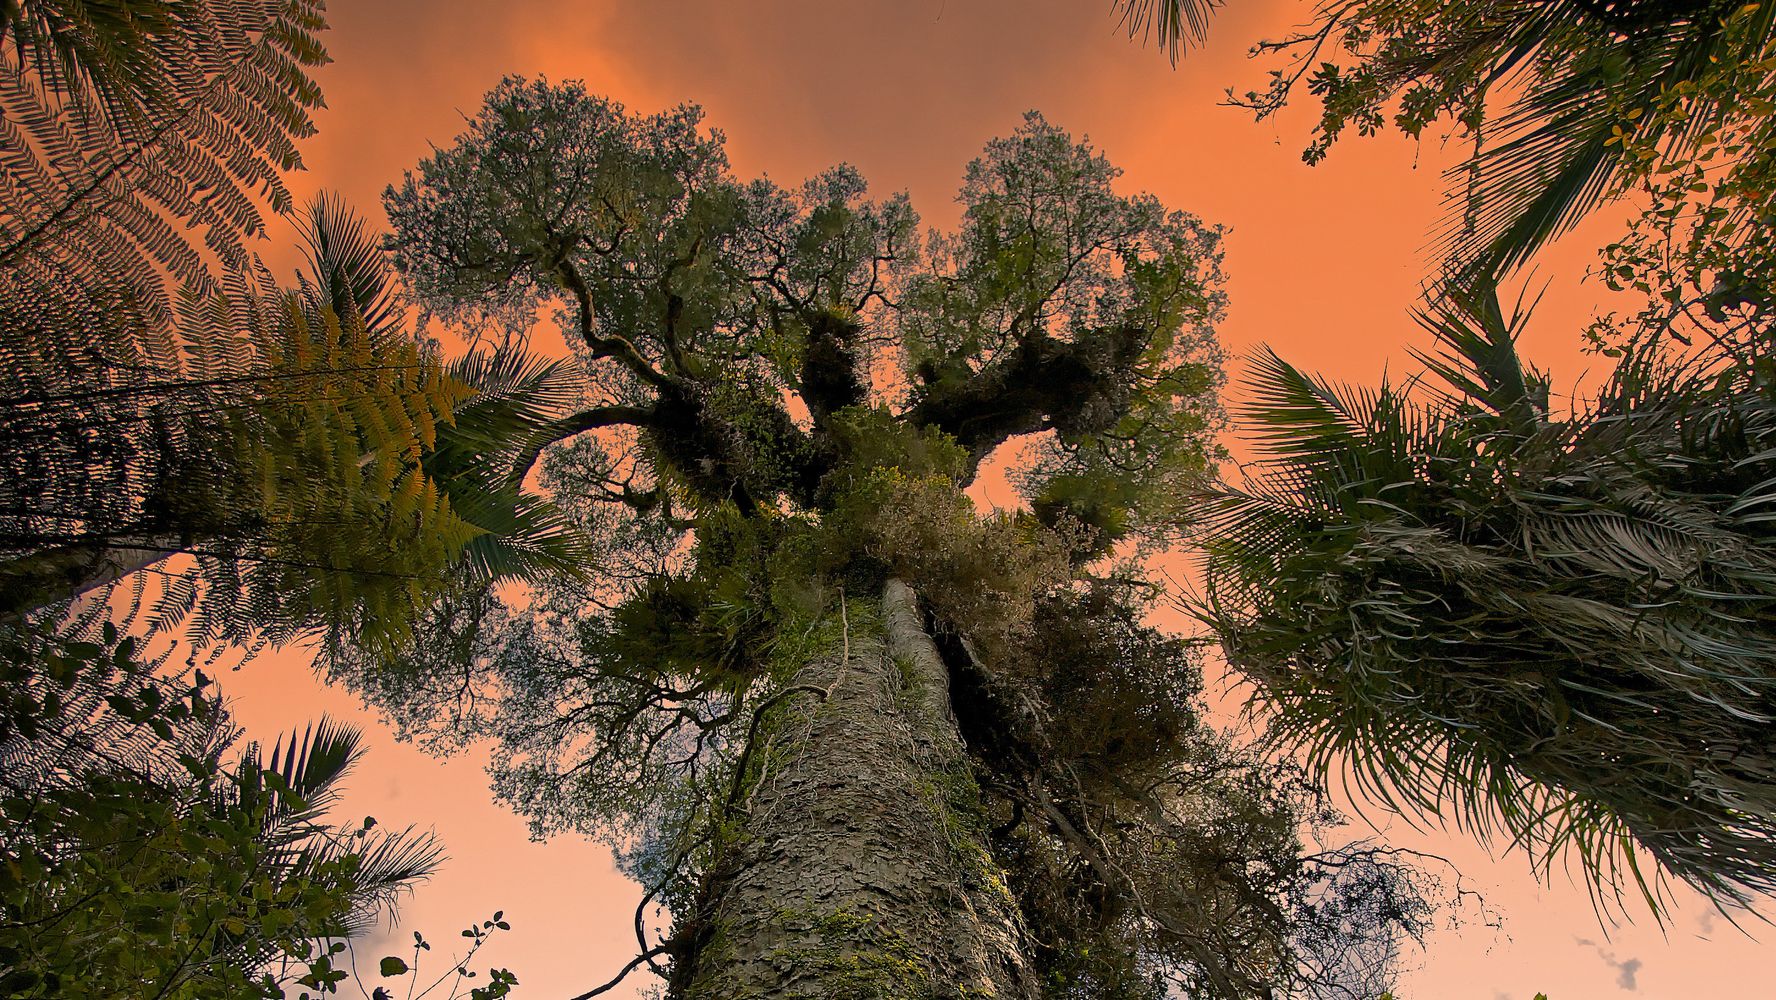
(1151, 853)
(1557, 624)
(320, 467)
(312, 464)
(139, 855)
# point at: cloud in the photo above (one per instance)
(1626, 969)
(1625, 972)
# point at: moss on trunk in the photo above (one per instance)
(860, 867)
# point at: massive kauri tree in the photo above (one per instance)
(855, 737)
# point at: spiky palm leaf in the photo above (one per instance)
(517, 398)
(298, 784)
(346, 264)
(1173, 25)
(1557, 631)
(514, 398)
(1556, 151)
(1560, 96)
(121, 792)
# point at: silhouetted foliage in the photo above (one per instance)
(1567, 103)
(144, 142)
(313, 465)
(141, 856)
(323, 469)
(1559, 625)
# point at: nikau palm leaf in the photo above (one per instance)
(298, 784)
(1172, 24)
(1556, 151)
(346, 263)
(1555, 630)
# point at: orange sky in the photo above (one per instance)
(1323, 263)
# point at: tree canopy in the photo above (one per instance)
(1555, 623)
(1542, 618)
(1567, 104)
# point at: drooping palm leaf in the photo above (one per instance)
(1564, 100)
(386, 864)
(307, 765)
(1173, 25)
(296, 786)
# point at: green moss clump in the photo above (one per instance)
(857, 958)
(956, 797)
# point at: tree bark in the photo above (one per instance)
(860, 868)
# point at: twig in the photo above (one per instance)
(758, 716)
(633, 963)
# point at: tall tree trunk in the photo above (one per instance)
(860, 867)
(61, 574)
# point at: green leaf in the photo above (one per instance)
(392, 966)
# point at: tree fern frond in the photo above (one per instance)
(193, 125)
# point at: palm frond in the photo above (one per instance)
(1553, 632)
(522, 538)
(346, 263)
(307, 764)
(1479, 358)
(1557, 152)
(1173, 25)
(1297, 415)
(384, 865)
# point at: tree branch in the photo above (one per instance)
(43, 578)
(659, 949)
(577, 423)
(606, 347)
(1042, 383)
